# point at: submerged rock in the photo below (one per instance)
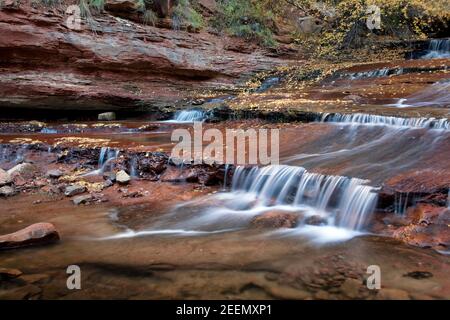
(25, 170)
(82, 199)
(36, 234)
(6, 273)
(122, 177)
(73, 190)
(276, 219)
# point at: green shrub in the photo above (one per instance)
(185, 14)
(248, 19)
(99, 5)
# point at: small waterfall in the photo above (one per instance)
(370, 119)
(347, 202)
(400, 203)
(438, 48)
(49, 131)
(189, 116)
(133, 167)
(377, 73)
(438, 94)
(225, 176)
(106, 156)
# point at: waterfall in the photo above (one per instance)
(438, 48)
(347, 202)
(369, 119)
(106, 156)
(189, 116)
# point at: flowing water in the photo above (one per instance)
(293, 230)
(438, 49)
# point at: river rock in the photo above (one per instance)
(36, 234)
(6, 273)
(122, 177)
(73, 190)
(5, 178)
(25, 170)
(55, 174)
(316, 220)
(7, 191)
(111, 176)
(121, 5)
(107, 116)
(275, 219)
(82, 199)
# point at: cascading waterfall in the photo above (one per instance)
(369, 119)
(438, 48)
(347, 202)
(189, 116)
(344, 203)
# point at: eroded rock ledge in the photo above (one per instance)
(112, 64)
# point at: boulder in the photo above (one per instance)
(316, 220)
(5, 178)
(122, 6)
(122, 177)
(107, 116)
(309, 25)
(36, 234)
(276, 219)
(25, 170)
(54, 174)
(82, 199)
(73, 190)
(7, 191)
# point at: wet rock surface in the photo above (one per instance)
(34, 235)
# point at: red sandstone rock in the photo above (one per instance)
(36, 234)
(122, 65)
(275, 219)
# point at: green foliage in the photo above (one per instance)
(185, 14)
(97, 4)
(248, 19)
(346, 28)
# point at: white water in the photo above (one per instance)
(344, 204)
(369, 119)
(438, 94)
(106, 156)
(187, 116)
(438, 49)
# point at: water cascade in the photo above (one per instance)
(437, 94)
(106, 156)
(345, 202)
(438, 49)
(187, 116)
(369, 119)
